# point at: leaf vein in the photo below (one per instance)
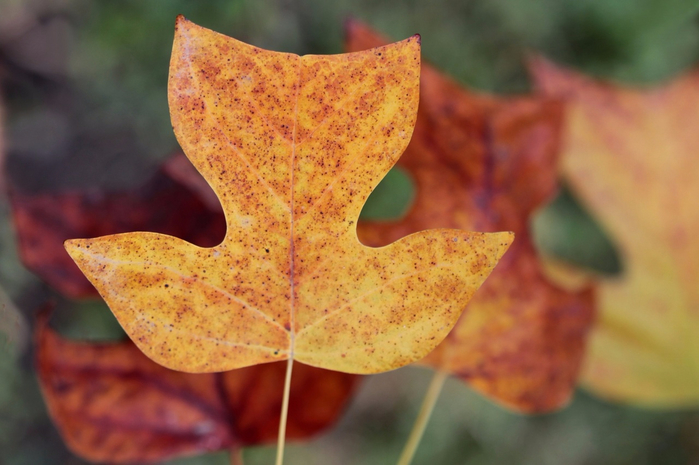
(368, 293)
(345, 170)
(236, 150)
(213, 339)
(194, 278)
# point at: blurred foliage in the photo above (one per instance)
(565, 230)
(85, 86)
(391, 198)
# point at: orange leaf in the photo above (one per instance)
(631, 156)
(484, 163)
(113, 404)
(292, 146)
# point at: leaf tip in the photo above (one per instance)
(534, 60)
(180, 20)
(182, 24)
(418, 38)
(552, 79)
(505, 240)
(507, 237)
(349, 26)
(71, 244)
(75, 247)
(538, 65)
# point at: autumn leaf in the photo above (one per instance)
(484, 163)
(292, 146)
(163, 204)
(113, 404)
(630, 154)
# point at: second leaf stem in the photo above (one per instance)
(236, 456)
(423, 417)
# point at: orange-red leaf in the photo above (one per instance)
(484, 163)
(113, 404)
(631, 156)
(163, 204)
(292, 147)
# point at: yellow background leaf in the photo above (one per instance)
(292, 146)
(631, 156)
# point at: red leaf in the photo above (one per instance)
(112, 403)
(484, 163)
(164, 204)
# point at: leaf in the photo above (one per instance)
(113, 404)
(631, 156)
(479, 162)
(163, 204)
(292, 146)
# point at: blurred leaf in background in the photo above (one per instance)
(631, 155)
(113, 404)
(484, 163)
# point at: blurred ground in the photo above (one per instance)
(84, 86)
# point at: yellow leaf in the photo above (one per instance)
(292, 146)
(631, 156)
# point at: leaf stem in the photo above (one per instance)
(285, 410)
(237, 456)
(423, 417)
